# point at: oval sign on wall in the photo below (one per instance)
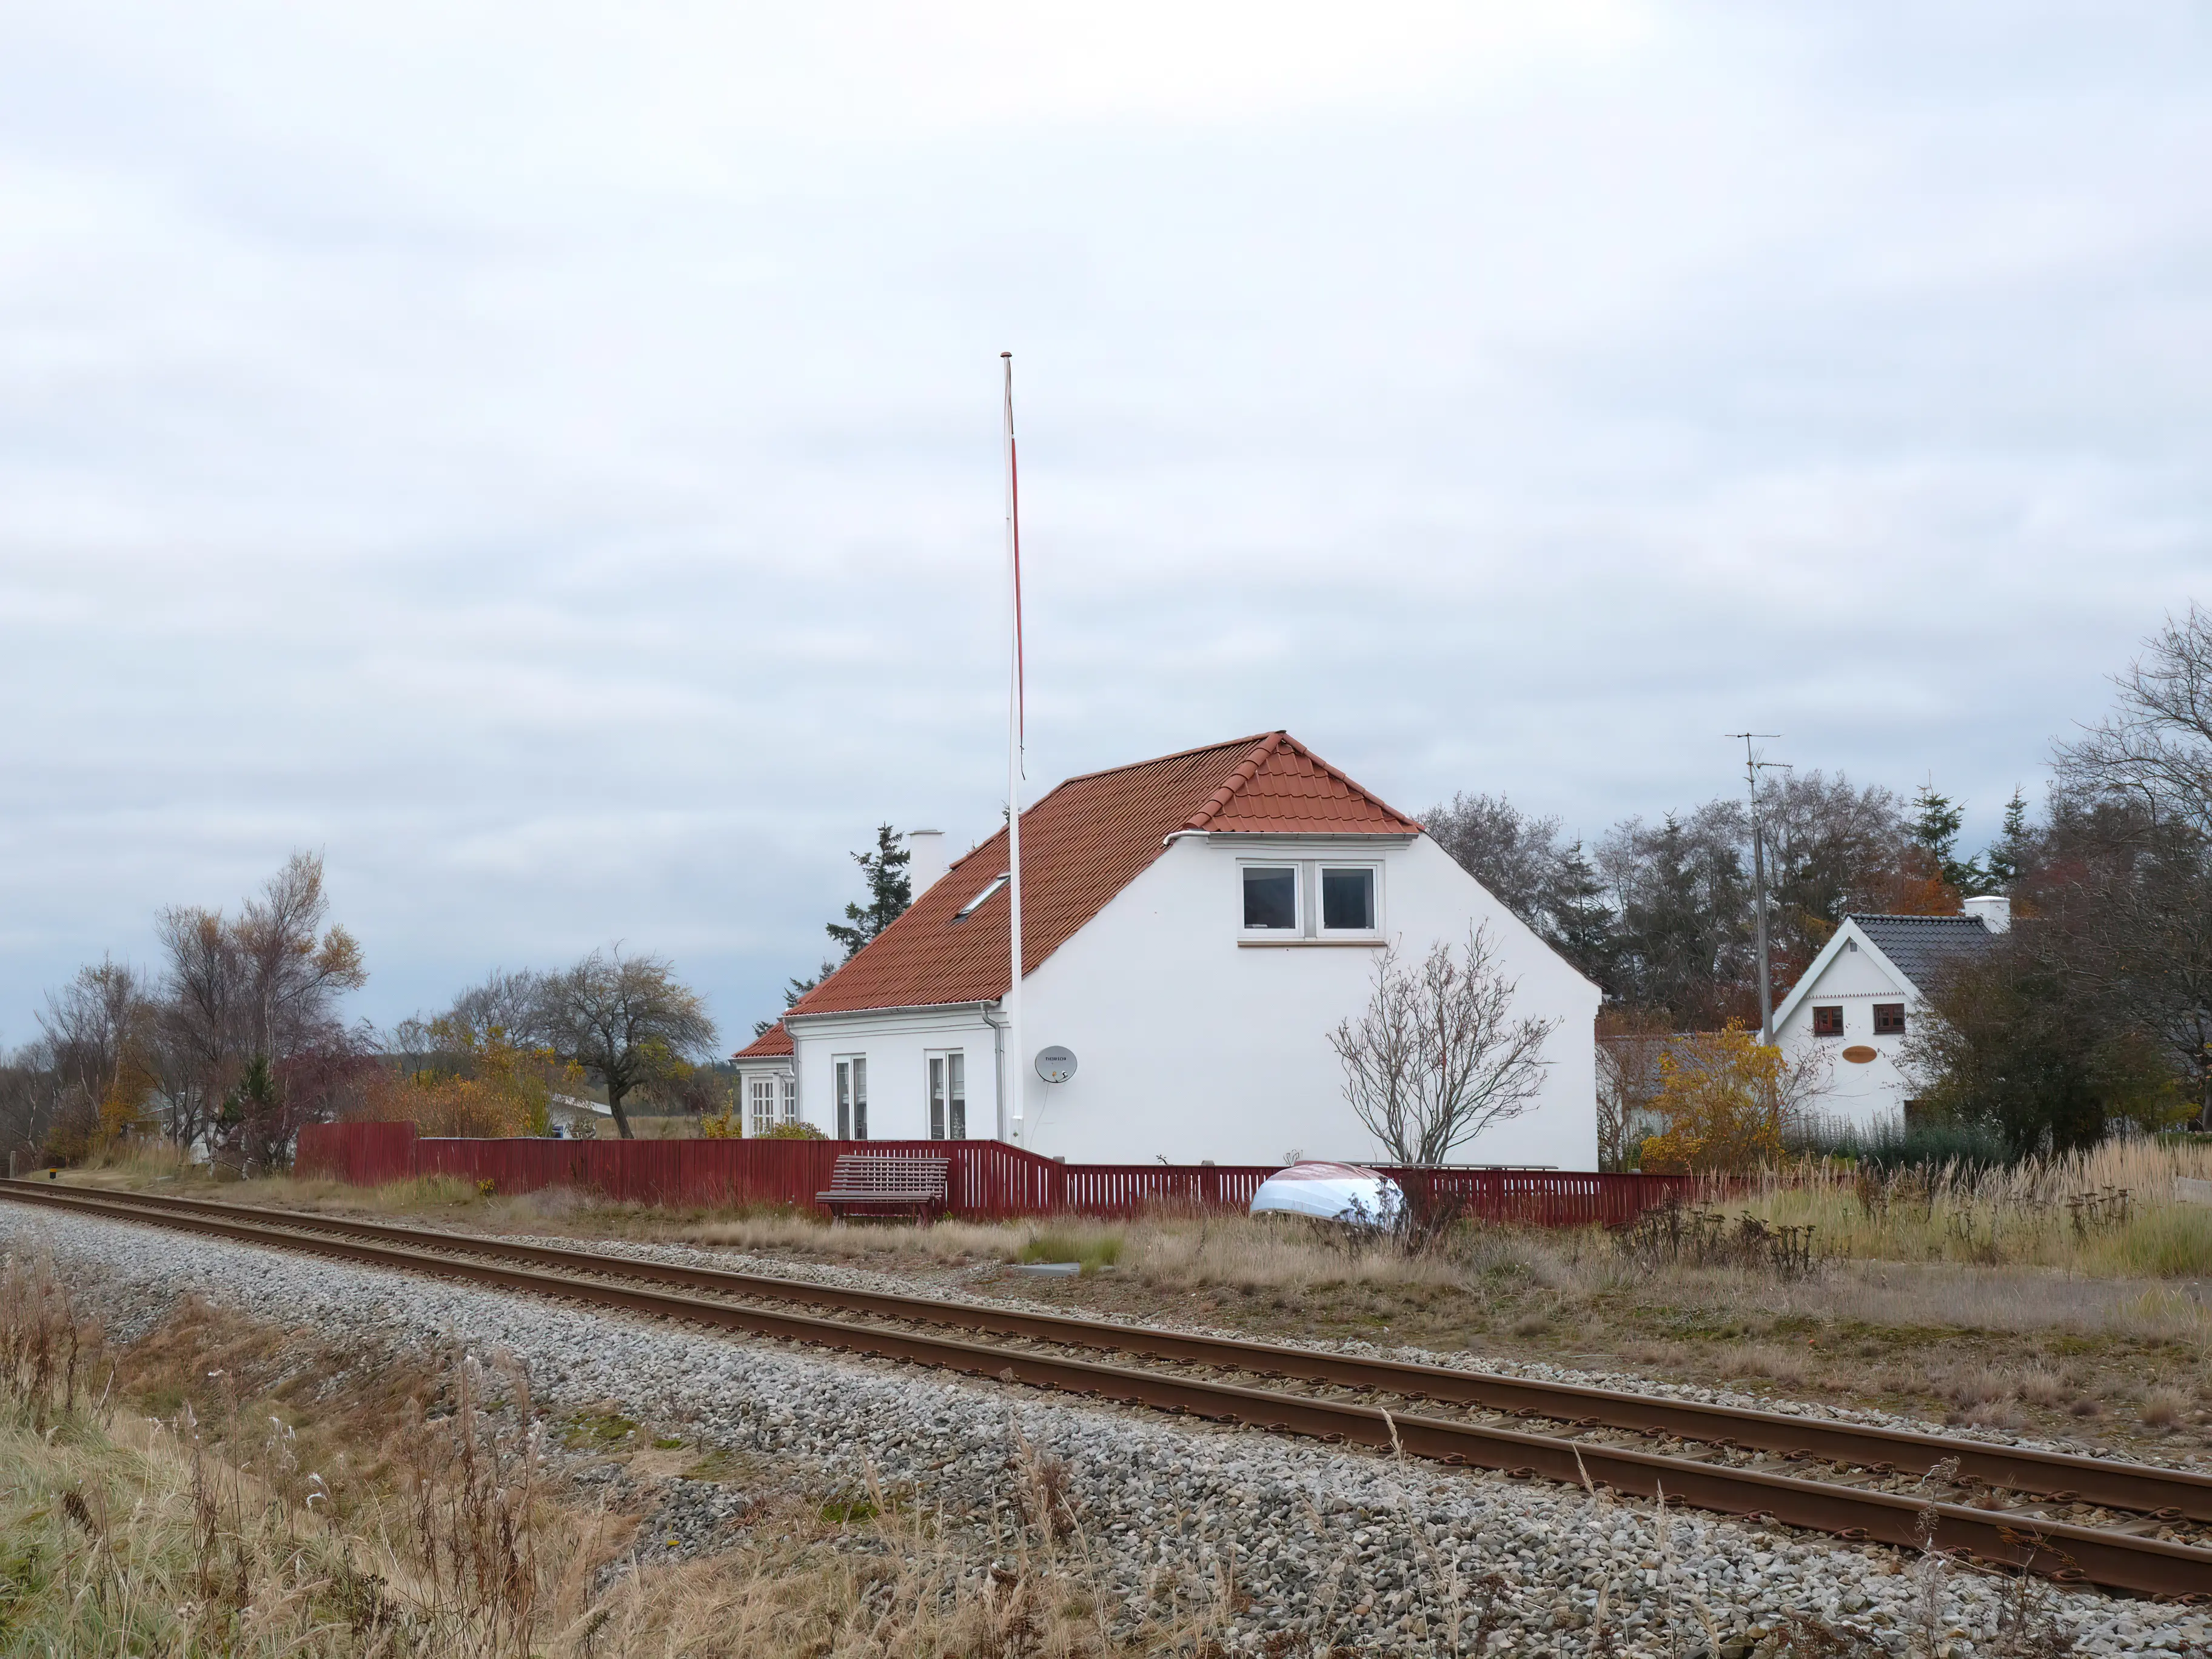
(1057, 1065)
(1858, 1054)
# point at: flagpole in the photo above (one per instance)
(1017, 1058)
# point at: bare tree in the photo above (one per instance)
(2124, 896)
(98, 1029)
(243, 998)
(514, 1002)
(29, 1099)
(1439, 1055)
(626, 1020)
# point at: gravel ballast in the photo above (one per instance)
(962, 1285)
(1336, 1547)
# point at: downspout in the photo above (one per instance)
(998, 1066)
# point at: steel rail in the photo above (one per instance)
(2064, 1476)
(2115, 1560)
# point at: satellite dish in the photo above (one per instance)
(1055, 1064)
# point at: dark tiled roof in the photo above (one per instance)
(1923, 947)
(1081, 844)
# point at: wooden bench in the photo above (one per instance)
(877, 1183)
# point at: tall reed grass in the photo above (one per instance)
(2111, 1211)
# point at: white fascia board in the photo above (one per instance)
(1811, 976)
(1906, 987)
(920, 1017)
(1305, 842)
(1835, 946)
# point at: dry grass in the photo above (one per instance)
(329, 1519)
(2108, 1213)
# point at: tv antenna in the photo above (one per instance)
(1754, 762)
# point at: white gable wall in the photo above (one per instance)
(1859, 1093)
(1191, 1045)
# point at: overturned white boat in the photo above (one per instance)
(1350, 1193)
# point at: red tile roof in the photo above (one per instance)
(768, 1045)
(1082, 844)
(1284, 788)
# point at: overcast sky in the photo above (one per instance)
(546, 457)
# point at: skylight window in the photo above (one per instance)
(976, 903)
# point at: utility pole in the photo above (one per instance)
(1752, 766)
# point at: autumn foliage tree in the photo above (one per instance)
(1726, 1099)
(475, 1081)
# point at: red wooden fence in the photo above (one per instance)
(988, 1179)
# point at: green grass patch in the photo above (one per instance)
(721, 1466)
(2171, 1243)
(1095, 1251)
(845, 1511)
(597, 1432)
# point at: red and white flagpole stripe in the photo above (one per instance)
(1017, 1057)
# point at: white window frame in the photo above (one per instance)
(1374, 929)
(990, 891)
(849, 1112)
(1306, 887)
(953, 1063)
(761, 1092)
(1300, 909)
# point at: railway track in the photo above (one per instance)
(2121, 1526)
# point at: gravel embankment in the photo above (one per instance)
(958, 1285)
(1344, 1548)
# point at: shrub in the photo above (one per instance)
(1720, 1095)
(794, 1131)
(1932, 1144)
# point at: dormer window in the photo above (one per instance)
(1271, 898)
(1347, 899)
(976, 903)
(1313, 901)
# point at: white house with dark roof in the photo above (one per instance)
(1192, 927)
(1862, 994)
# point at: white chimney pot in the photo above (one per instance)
(1993, 910)
(927, 863)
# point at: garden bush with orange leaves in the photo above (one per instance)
(481, 1084)
(1725, 1097)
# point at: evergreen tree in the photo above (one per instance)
(889, 891)
(1936, 832)
(2007, 858)
(1582, 919)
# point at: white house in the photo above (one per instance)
(1192, 927)
(1862, 993)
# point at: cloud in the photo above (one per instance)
(547, 458)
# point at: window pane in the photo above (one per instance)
(1271, 898)
(1347, 898)
(861, 1098)
(1888, 1018)
(956, 1067)
(1827, 1021)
